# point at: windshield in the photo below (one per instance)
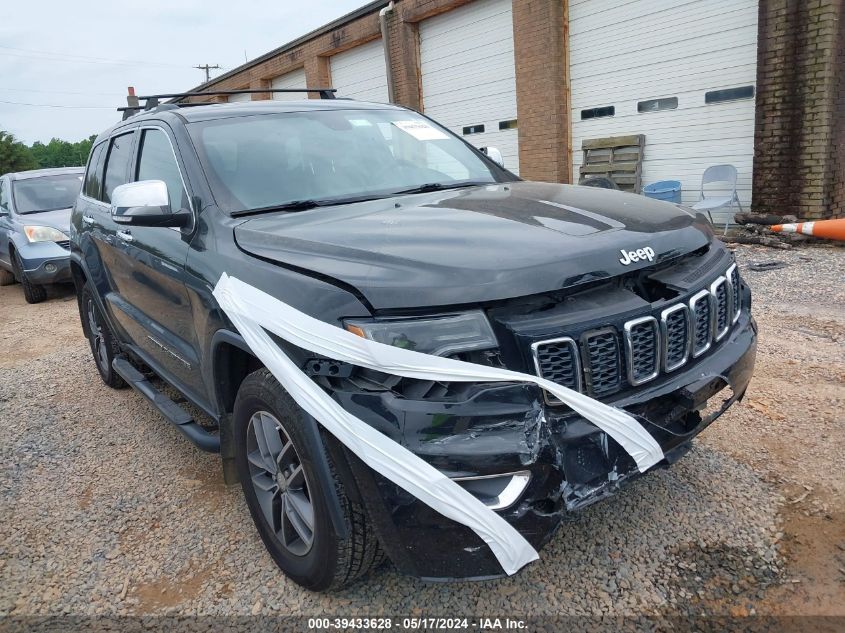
(46, 193)
(259, 161)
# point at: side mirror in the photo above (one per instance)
(495, 155)
(145, 203)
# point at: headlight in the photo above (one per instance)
(44, 234)
(439, 336)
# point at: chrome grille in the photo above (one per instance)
(675, 329)
(642, 350)
(683, 331)
(64, 244)
(601, 362)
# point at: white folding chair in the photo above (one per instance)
(725, 174)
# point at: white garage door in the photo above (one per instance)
(241, 97)
(293, 79)
(359, 73)
(680, 72)
(468, 77)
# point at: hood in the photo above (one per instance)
(59, 219)
(474, 245)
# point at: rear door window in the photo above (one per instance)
(94, 175)
(117, 164)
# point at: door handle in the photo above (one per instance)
(88, 219)
(126, 236)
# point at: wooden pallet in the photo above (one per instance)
(619, 158)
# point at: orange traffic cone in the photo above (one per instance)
(829, 229)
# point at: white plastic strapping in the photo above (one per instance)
(253, 311)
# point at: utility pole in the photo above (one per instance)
(207, 68)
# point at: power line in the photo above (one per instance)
(55, 105)
(80, 59)
(64, 92)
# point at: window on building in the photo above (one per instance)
(729, 94)
(595, 113)
(655, 105)
(473, 129)
(507, 125)
(117, 164)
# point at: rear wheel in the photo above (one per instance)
(104, 347)
(275, 461)
(33, 293)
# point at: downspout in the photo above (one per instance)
(385, 40)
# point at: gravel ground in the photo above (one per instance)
(107, 510)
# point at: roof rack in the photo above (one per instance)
(153, 101)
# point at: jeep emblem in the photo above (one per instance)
(637, 255)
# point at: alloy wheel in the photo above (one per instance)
(280, 483)
(98, 340)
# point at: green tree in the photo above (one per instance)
(14, 155)
(59, 153)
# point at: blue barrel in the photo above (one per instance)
(669, 190)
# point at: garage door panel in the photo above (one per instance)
(726, 45)
(454, 24)
(592, 94)
(625, 38)
(359, 73)
(467, 72)
(613, 17)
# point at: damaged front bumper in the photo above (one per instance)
(508, 428)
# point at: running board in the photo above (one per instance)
(171, 411)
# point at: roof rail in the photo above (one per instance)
(153, 101)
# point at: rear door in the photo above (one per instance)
(92, 221)
(111, 277)
(152, 303)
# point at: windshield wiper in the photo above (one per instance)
(440, 186)
(304, 205)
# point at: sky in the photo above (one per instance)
(83, 55)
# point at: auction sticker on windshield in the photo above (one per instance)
(420, 130)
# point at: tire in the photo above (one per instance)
(104, 346)
(280, 469)
(6, 277)
(33, 293)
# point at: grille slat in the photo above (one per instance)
(721, 316)
(643, 350)
(736, 292)
(602, 362)
(557, 360)
(675, 330)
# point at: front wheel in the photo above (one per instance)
(104, 347)
(275, 462)
(33, 293)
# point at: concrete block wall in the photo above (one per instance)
(798, 144)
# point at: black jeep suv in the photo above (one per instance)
(375, 219)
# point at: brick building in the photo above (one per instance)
(754, 83)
